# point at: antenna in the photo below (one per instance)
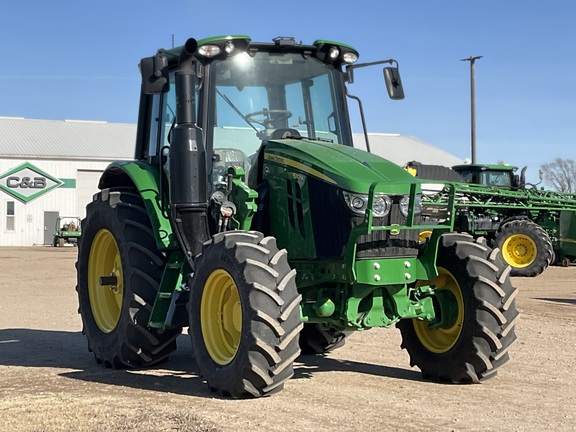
(172, 40)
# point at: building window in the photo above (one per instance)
(10, 217)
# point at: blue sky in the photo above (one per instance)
(76, 59)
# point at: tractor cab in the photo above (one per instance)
(246, 94)
(500, 176)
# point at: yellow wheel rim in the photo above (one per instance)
(440, 340)
(519, 250)
(424, 235)
(221, 317)
(105, 301)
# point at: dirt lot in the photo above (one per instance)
(49, 381)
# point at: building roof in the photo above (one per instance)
(74, 139)
(402, 149)
(66, 139)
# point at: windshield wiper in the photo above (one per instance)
(229, 102)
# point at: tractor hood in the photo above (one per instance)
(350, 168)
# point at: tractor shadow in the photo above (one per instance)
(558, 300)
(66, 355)
(307, 366)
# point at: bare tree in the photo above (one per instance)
(560, 174)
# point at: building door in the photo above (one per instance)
(50, 218)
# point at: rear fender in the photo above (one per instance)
(146, 179)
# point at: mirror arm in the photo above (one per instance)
(361, 109)
(350, 68)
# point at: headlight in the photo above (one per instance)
(405, 202)
(209, 50)
(358, 204)
(350, 58)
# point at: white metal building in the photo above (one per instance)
(51, 168)
(402, 149)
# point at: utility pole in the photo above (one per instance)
(472, 59)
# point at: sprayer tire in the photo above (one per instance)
(117, 239)
(316, 340)
(244, 314)
(525, 246)
(434, 172)
(476, 345)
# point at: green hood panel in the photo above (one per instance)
(350, 168)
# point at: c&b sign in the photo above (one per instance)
(26, 182)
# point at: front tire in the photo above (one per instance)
(244, 315)
(525, 246)
(117, 243)
(473, 344)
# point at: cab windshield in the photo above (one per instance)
(274, 96)
(496, 178)
(487, 177)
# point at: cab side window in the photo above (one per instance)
(153, 120)
(167, 112)
(162, 116)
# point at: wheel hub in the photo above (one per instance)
(519, 250)
(221, 317)
(105, 281)
(440, 337)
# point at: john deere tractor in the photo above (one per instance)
(248, 217)
(67, 231)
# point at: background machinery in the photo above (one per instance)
(68, 230)
(249, 217)
(533, 227)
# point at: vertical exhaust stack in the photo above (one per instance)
(188, 181)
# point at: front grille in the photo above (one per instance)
(332, 222)
(385, 243)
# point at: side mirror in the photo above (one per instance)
(154, 71)
(393, 83)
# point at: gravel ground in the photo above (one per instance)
(49, 381)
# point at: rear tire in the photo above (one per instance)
(475, 344)
(117, 240)
(525, 246)
(244, 314)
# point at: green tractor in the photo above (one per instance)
(249, 217)
(68, 230)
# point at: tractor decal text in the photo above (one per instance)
(299, 166)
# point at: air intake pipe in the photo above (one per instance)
(188, 188)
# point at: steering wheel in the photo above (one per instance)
(270, 117)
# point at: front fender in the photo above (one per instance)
(146, 179)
